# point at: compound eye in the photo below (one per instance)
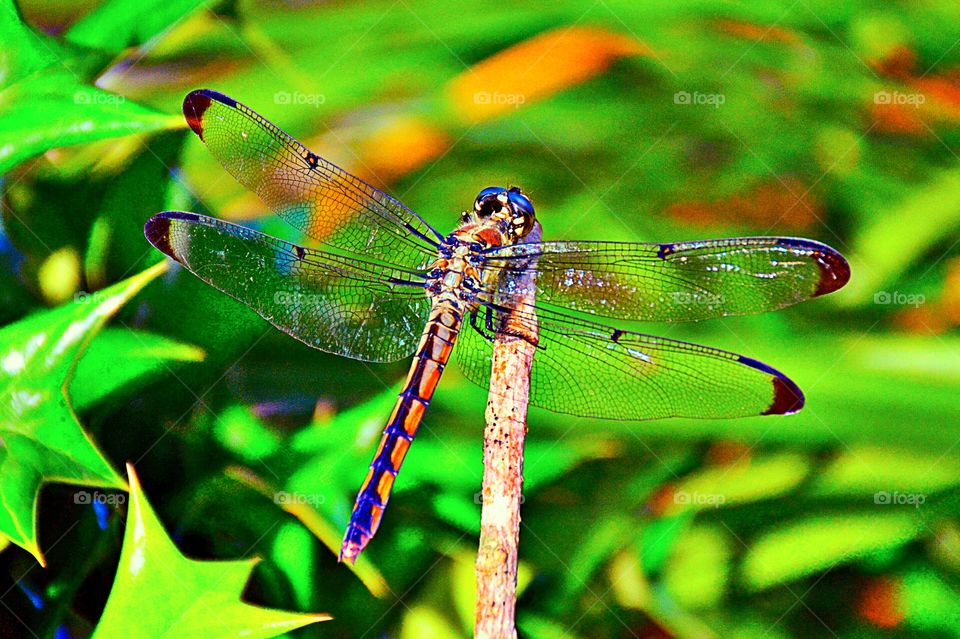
(489, 202)
(491, 192)
(521, 203)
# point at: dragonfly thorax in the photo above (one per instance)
(458, 276)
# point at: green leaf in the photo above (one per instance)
(660, 536)
(238, 430)
(42, 439)
(899, 234)
(53, 109)
(319, 491)
(23, 51)
(762, 477)
(145, 357)
(864, 470)
(424, 622)
(807, 546)
(130, 197)
(294, 554)
(930, 602)
(118, 24)
(599, 542)
(160, 593)
(537, 627)
(628, 583)
(697, 573)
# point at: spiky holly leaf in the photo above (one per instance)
(41, 439)
(158, 592)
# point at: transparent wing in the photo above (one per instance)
(676, 282)
(591, 370)
(337, 304)
(315, 196)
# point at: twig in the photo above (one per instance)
(503, 438)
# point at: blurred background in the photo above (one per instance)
(654, 121)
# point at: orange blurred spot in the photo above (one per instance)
(896, 118)
(922, 320)
(933, 318)
(401, 146)
(880, 603)
(725, 453)
(786, 204)
(537, 68)
(903, 108)
(757, 32)
(662, 500)
(324, 411)
(899, 63)
(950, 303)
(943, 91)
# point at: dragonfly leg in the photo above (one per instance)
(505, 323)
(487, 330)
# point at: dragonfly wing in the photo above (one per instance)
(315, 196)
(337, 304)
(591, 370)
(680, 281)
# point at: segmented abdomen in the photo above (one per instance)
(432, 355)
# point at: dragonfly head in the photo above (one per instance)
(510, 203)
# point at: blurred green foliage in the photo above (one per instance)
(651, 121)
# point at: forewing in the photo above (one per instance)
(315, 196)
(337, 304)
(681, 281)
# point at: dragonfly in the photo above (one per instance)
(381, 284)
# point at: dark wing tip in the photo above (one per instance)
(834, 271)
(196, 104)
(157, 229)
(787, 396)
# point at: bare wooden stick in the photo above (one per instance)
(503, 437)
